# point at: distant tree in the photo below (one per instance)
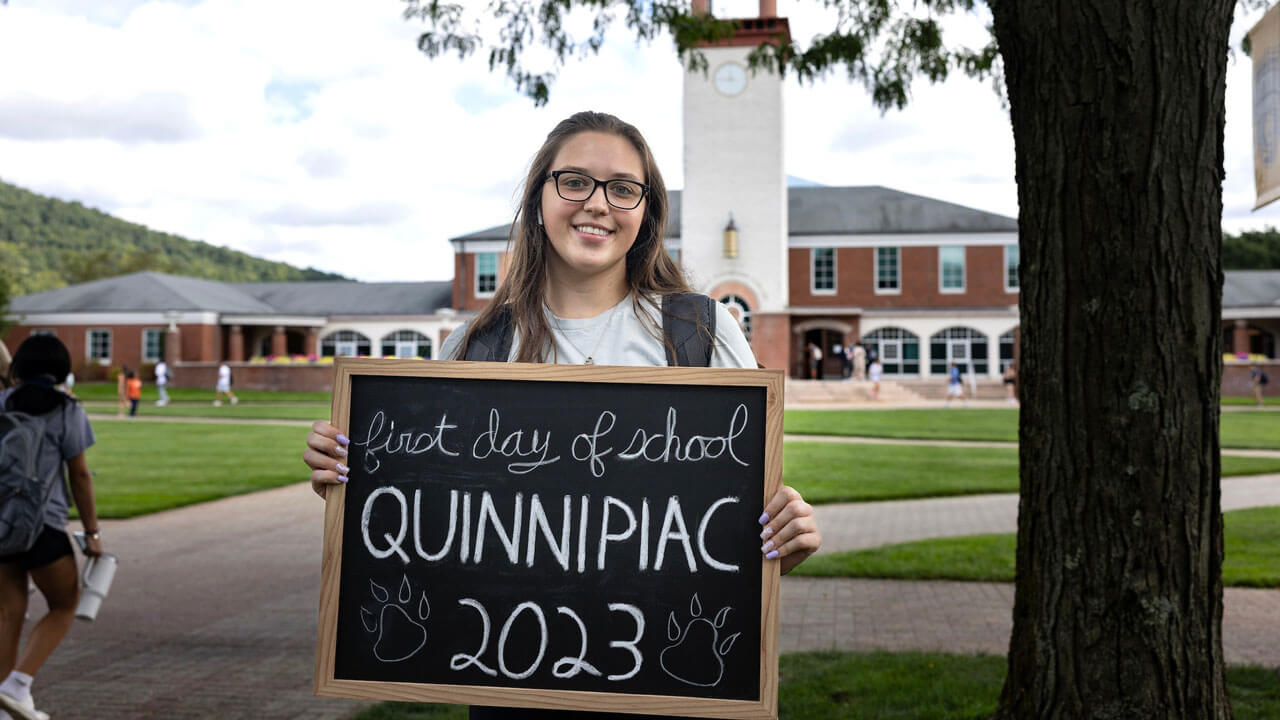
(5, 295)
(47, 243)
(1251, 250)
(1118, 114)
(79, 267)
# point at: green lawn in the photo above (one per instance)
(1239, 429)
(1252, 556)
(1251, 430)
(841, 472)
(1271, 401)
(999, 425)
(897, 686)
(251, 410)
(106, 392)
(145, 467)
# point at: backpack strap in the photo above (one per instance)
(689, 326)
(493, 343)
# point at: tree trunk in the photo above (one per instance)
(1118, 112)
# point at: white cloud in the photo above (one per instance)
(315, 132)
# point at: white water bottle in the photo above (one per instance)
(95, 582)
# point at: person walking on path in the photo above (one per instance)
(859, 362)
(224, 386)
(162, 382)
(1010, 378)
(586, 285)
(874, 373)
(133, 390)
(1257, 381)
(37, 365)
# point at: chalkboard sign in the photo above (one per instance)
(553, 536)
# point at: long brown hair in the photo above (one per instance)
(650, 271)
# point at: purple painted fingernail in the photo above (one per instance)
(772, 556)
(342, 469)
(342, 478)
(340, 450)
(764, 518)
(767, 547)
(766, 533)
(343, 439)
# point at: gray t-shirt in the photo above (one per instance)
(618, 336)
(68, 433)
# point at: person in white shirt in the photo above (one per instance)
(162, 382)
(224, 386)
(589, 234)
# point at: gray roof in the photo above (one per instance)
(143, 292)
(158, 292)
(872, 209)
(867, 209)
(1251, 288)
(352, 298)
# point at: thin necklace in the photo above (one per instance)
(603, 331)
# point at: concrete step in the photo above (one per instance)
(936, 389)
(846, 392)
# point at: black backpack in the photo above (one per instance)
(24, 491)
(682, 316)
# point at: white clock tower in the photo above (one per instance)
(733, 173)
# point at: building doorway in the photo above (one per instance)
(825, 340)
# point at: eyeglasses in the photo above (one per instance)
(576, 187)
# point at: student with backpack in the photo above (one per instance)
(41, 432)
(589, 282)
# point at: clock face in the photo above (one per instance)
(731, 78)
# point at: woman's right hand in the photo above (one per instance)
(326, 455)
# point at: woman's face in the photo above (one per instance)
(592, 237)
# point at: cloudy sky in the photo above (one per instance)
(314, 132)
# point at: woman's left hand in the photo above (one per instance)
(790, 529)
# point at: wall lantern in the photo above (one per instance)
(730, 239)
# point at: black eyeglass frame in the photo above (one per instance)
(554, 175)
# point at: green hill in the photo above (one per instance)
(47, 243)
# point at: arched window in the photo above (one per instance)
(960, 345)
(345, 343)
(406, 344)
(1006, 348)
(898, 350)
(739, 308)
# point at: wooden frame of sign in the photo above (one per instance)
(402, 597)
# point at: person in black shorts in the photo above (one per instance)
(1010, 378)
(39, 364)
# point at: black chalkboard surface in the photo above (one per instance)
(553, 536)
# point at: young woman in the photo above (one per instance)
(587, 274)
(39, 364)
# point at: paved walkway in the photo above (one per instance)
(213, 611)
(854, 526)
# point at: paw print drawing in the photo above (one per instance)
(696, 656)
(400, 636)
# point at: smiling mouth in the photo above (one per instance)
(590, 230)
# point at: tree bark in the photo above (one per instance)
(1118, 113)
